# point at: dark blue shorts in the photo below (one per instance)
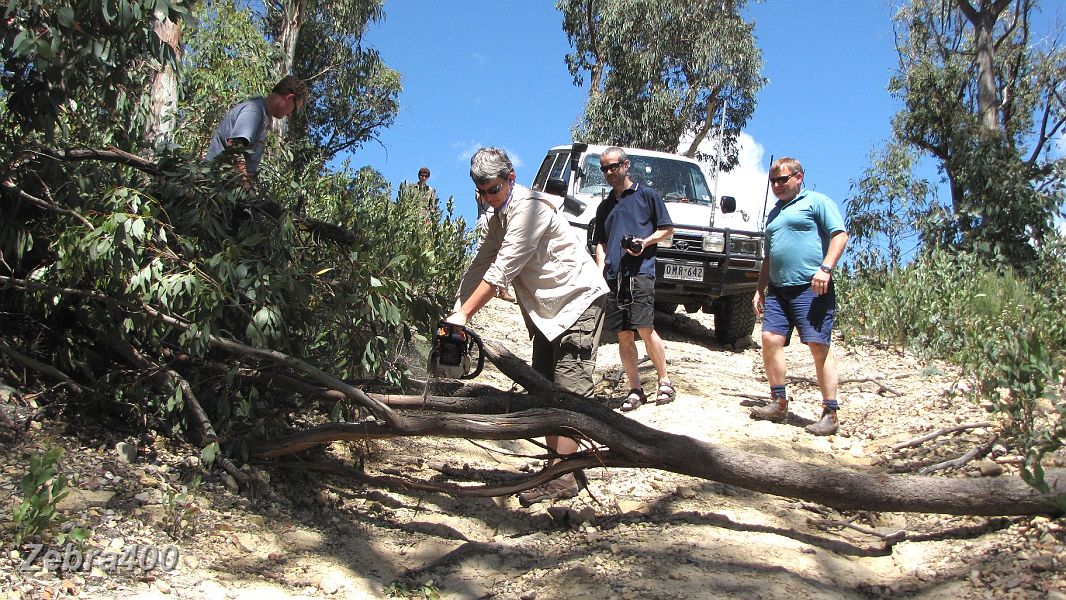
(797, 307)
(630, 303)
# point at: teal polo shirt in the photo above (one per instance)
(797, 237)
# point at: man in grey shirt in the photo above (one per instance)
(245, 126)
(529, 245)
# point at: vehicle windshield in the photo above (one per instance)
(676, 180)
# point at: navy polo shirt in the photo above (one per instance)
(639, 213)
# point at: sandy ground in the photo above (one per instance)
(634, 534)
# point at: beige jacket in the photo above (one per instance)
(529, 245)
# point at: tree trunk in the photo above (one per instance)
(984, 20)
(164, 87)
(621, 442)
(288, 36)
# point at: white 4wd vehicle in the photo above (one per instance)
(703, 266)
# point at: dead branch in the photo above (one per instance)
(43, 204)
(634, 445)
(113, 155)
(976, 452)
(833, 523)
(882, 386)
(165, 380)
(40, 367)
(918, 441)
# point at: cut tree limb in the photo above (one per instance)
(634, 445)
(918, 441)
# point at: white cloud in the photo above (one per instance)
(467, 150)
(746, 182)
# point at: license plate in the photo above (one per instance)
(684, 272)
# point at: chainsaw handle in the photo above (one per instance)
(480, 355)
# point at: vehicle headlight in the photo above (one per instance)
(744, 245)
(713, 242)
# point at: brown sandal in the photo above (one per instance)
(666, 394)
(634, 400)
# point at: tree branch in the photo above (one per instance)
(229, 345)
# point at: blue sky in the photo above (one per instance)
(492, 73)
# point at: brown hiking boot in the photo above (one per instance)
(827, 425)
(776, 410)
(566, 486)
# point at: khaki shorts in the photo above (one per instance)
(570, 360)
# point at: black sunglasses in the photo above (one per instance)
(782, 179)
(490, 191)
(611, 167)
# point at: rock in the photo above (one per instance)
(229, 482)
(685, 492)
(147, 481)
(633, 508)
(1044, 562)
(257, 520)
(163, 586)
(148, 497)
(127, 452)
(990, 468)
(81, 500)
(1053, 595)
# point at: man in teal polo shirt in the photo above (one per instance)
(805, 239)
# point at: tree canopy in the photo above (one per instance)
(664, 73)
(982, 98)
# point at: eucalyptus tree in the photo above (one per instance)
(354, 94)
(982, 91)
(664, 71)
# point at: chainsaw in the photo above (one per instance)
(450, 355)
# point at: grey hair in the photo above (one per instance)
(488, 164)
(622, 156)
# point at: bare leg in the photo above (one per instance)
(656, 351)
(627, 353)
(773, 357)
(825, 367)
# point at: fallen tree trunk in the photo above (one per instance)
(618, 442)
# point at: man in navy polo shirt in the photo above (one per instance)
(805, 239)
(632, 213)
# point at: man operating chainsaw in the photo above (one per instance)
(561, 293)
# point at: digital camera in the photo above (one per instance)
(629, 242)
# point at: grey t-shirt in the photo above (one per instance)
(248, 121)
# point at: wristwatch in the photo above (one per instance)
(826, 269)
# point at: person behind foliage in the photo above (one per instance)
(245, 126)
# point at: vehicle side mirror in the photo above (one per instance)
(555, 187)
(573, 206)
(729, 204)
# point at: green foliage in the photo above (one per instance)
(980, 97)
(117, 250)
(886, 212)
(180, 510)
(42, 489)
(83, 60)
(226, 61)
(1005, 329)
(662, 71)
(354, 94)
(405, 589)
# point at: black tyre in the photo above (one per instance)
(734, 318)
(666, 307)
